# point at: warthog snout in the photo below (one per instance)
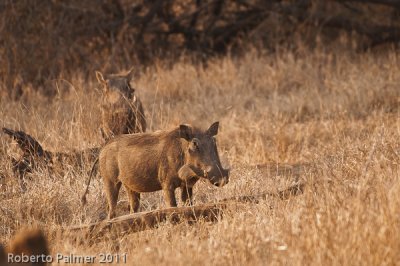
(218, 177)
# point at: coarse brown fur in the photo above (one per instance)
(25, 242)
(163, 160)
(121, 110)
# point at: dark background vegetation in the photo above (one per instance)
(44, 40)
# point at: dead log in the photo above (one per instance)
(137, 222)
(147, 220)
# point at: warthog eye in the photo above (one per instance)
(195, 145)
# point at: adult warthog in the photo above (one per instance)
(163, 160)
(121, 110)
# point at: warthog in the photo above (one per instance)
(34, 156)
(163, 160)
(121, 110)
(27, 242)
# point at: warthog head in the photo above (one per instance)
(201, 155)
(116, 85)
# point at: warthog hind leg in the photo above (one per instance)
(112, 191)
(134, 200)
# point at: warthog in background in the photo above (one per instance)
(163, 160)
(121, 110)
(34, 156)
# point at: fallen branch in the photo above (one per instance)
(147, 220)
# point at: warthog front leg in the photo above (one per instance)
(169, 195)
(189, 178)
(186, 195)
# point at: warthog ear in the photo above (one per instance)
(100, 78)
(213, 130)
(185, 132)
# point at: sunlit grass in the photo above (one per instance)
(335, 115)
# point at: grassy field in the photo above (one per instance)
(331, 121)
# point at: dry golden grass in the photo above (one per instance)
(335, 116)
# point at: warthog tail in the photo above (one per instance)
(83, 199)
